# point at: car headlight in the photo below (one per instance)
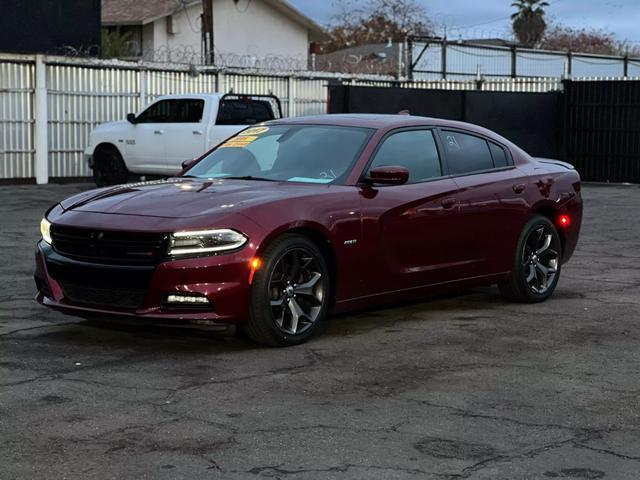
(45, 230)
(205, 241)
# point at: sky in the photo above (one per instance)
(490, 18)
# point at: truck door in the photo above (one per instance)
(185, 133)
(143, 142)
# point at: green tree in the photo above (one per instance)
(528, 21)
(115, 43)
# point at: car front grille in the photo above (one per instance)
(103, 296)
(104, 246)
(101, 285)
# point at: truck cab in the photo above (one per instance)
(171, 130)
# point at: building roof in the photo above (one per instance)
(140, 12)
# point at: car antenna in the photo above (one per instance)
(404, 112)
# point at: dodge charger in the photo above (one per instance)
(294, 219)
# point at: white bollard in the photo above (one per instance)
(40, 125)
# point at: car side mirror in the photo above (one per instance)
(389, 175)
(131, 118)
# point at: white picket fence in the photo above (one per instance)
(48, 105)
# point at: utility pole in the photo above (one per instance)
(207, 32)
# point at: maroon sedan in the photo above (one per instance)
(295, 218)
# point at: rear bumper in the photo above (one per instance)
(570, 234)
(91, 290)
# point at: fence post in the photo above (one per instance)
(479, 79)
(514, 60)
(291, 96)
(220, 87)
(444, 58)
(40, 140)
(409, 65)
(625, 66)
(144, 81)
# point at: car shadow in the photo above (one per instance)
(190, 339)
(461, 304)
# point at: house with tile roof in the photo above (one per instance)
(232, 33)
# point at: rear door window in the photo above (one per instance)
(466, 153)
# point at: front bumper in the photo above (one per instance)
(93, 290)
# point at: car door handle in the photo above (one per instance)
(197, 132)
(519, 187)
(158, 132)
(448, 202)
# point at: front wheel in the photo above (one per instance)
(290, 293)
(536, 266)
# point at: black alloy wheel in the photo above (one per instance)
(537, 265)
(290, 293)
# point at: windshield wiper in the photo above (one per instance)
(247, 177)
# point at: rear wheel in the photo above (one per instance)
(290, 293)
(108, 167)
(536, 267)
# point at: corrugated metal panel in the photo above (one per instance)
(16, 120)
(171, 82)
(79, 99)
(83, 93)
(310, 96)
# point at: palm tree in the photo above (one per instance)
(528, 22)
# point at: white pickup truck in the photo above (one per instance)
(170, 131)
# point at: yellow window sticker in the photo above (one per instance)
(240, 141)
(254, 131)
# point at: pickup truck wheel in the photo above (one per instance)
(108, 167)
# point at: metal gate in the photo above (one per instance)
(531, 120)
(601, 134)
(594, 125)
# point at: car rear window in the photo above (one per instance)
(244, 112)
(184, 110)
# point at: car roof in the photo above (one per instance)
(373, 120)
(387, 122)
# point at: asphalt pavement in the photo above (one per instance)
(467, 386)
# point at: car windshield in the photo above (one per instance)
(294, 153)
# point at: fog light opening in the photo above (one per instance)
(187, 299)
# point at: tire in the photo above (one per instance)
(539, 250)
(108, 167)
(288, 302)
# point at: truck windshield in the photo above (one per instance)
(294, 153)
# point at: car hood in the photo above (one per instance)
(185, 197)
